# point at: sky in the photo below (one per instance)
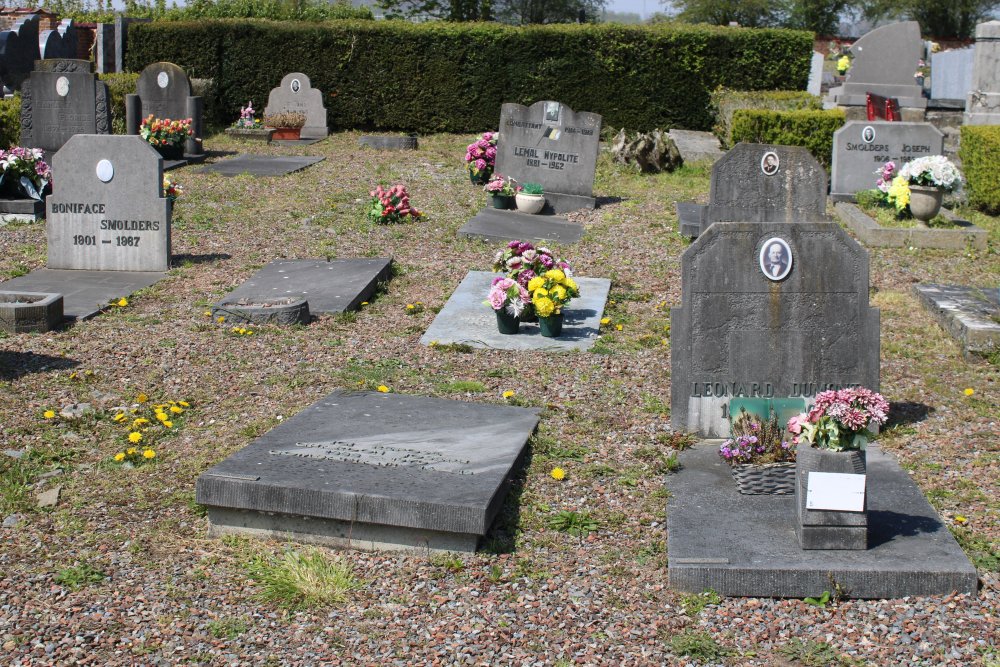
(644, 8)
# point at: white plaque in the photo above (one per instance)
(837, 491)
(105, 170)
(62, 86)
(162, 79)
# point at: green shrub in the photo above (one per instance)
(725, 102)
(10, 121)
(812, 129)
(980, 155)
(120, 84)
(453, 77)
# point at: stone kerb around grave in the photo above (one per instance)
(550, 144)
(164, 90)
(107, 211)
(740, 333)
(297, 94)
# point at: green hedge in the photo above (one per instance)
(10, 121)
(980, 155)
(725, 102)
(453, 77)
(812, 129)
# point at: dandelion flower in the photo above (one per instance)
(120, 456)
(120, 417)
(383, 389)
(49, 414)
(558, 474)
(410, 306)
(364, 303)
(184, 404)
(961, 519)
(168, 423)
(136, 423)
(141, 398)
(220, 319)
(618, 326)
(134, 437)
(969, 391)
(207, 313)
(605, 320)
(130, 451)
(148, 454)
(162, 416)
(508, 393)
(176, 409)
(122, 302)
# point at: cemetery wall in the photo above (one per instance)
(453, 77)
(810, 129)
(980, 155)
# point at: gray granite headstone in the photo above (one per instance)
(860, 148)
(815, 85)
(296, 94)
(550, 144)
(884, 62)
(740, 332)
(60, 99)
(372, 470)
(107, 211)
(982, 105)
(164, 90)
(760, 183)
(951, 75)
(18, 52)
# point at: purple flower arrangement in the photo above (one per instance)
(481, 155)
(522, 261)
(757, 441)
(24, 172)
(507, 294)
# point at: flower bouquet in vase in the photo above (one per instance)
(508, 299)
(166, 136)
(550, 292)
(501, 192)
(24, 174)
(481, 156)
(522, 261)
(249, 127)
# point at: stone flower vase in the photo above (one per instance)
(531, 204)
(551, 326)
(829, 529)
(171, 151)
(507, 323)
(925, 202)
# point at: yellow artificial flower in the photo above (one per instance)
(843, 64)
(535, 283)
(605, 320)
(141, 398)
(539, 293)
(899, 193)
(556, 275)
(49, 414)
(148, 454)
(570, 284)
(508, 393)
(134, 437)
(120, 456)
(544, 306)
(383, 389)
(558, 474)
(969, 391)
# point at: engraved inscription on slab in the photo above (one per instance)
(376, 455)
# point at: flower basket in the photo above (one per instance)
(287, 133)
(773, 479)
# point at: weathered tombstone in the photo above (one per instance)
(18, 52)
(58, 43)
(62, 98)
(107, 211)
(550, 144)
(951, 76)
(164, 90)
(815, 86)
(296, 94)
(760, 183)
(982, 105)
(746, 329)
(860, 148)
(104, 48)
(884, 62)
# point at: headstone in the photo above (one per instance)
(860, 148)
(62, 98)
(107, 211)
(121, 38)
(815, 85)
(104, 48)
(18, 52)
(885, 60)
(550, 144)
(373, 470)
(760, 183)
(296, 94)
(58, 43)
(769, 310)
(982, 104)
(164, 90)
(951, 75)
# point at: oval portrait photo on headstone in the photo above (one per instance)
(296, 84)
(868, 134)
(62, 86)
(163, 79)
(775, 258)
(769, 163)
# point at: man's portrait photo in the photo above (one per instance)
(769, 163)
(552, 112)
(868, 134)
(775, 258)
(296, 84)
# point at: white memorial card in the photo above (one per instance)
(842, 492)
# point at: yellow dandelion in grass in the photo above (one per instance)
(558, 474)
(383, 389)
(220, 319)
(509, 393)
(72, 376)
(136, 423)
(120, 456)
(364, 303)
(433, 343)
(410, 306)
(618, 326)
(148, 454)
(959, 519)
(49, 414)
(184, 404)
(168, 423)
(207, 313)
(162, 416)
(249, 332)
(605, 320)
(130, 451)
(969, 391)
(120, 417)
(122, 302)
(134, 437)
(176, 409)
(141, 398)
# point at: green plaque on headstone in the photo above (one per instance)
(783, 408)
(786, 408)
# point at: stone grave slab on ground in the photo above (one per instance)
(60, 99)
(982, 102)
(971, 315)
(695, 146)
(297, 94)
(164, 90)
(861, 147)
(739, 332)
(261, 165)
(466, 319)
(329, 287)
(85, 293)
(297, 142)
(389, 142)
(371, 470)
(869, 232)
(550, 144)
(494, 225)
(759, 183)
(884, 61)
(744, 545)
(27, 210)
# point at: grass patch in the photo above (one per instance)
(227, 628)
(303, 579)
(698, 645)
(78, 576)
(578, 524)
(984, 553)
(694, 603)
(813, 653)
(464, 387)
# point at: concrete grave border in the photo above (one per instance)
(873, 235)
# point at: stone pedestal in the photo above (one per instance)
(982, 105)
(829, 529)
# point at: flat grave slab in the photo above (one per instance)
(370, 470)
(329, 287)
(85, 293)
(466, 319)
(741, 545)
(188, 159)
(696, 146)
(305, 141)
(873, 235)
(262, 165)
(492, 224)
(969, 314)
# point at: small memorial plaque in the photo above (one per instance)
(836, 491)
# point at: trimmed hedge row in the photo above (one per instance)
(448, 77)
(980, 155)
(725, 102)
(10, 121)
(812, 129)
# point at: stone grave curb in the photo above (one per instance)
(870, 233)
(388, 142)
(259, 311)
(975, 336)
(43, 314)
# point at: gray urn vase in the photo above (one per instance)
(925, 202)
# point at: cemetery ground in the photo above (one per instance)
(120, 571)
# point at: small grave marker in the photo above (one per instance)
(297, 94)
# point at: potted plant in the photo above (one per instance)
(550, 292)
(926, 179)
(508, 299)
(166, 136)
(522, 261)
(501, 192)
(530, 198)
(761, 459)
(249, 127)
(24, 174)
(481, 156)
(843, 64)
(287, 125)
(390, 205)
